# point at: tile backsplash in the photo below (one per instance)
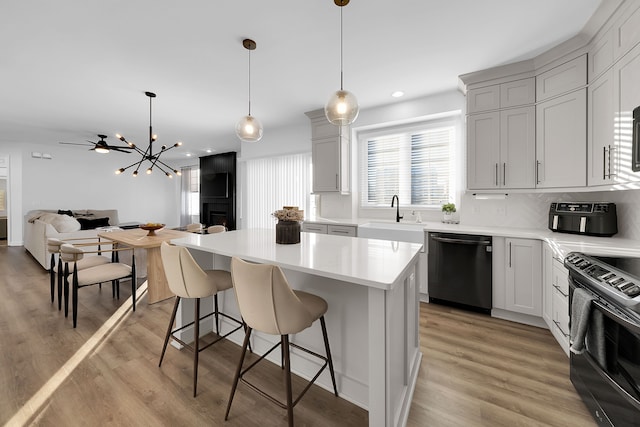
(532, 210)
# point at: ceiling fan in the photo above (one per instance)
(102, 146)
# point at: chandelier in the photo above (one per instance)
(148, 155)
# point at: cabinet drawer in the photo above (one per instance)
(314, 228)
(561, 313)
(520, 92)
(563, 78)
(560, 279)
(483, 99)
(342, 230)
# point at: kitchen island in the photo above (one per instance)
(372, 320)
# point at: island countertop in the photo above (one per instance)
(367, 262)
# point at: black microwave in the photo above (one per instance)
(635, 161)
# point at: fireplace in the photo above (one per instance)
(217, 212)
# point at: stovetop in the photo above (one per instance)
(618, 278)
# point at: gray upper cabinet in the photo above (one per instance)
(330, 149)
(501, 141)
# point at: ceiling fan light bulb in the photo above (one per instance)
(154, 137)
(342, 108)
(249, 129)
(149, 171)
(168, 175)
(102, 150)
(178, 144)
(120, 137)
(119, 171)
(135, 173)
(177, 172)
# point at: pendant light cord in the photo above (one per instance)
(150, 128)
(249, 82)
(341, 7)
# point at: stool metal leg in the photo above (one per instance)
(329, 359)
(196, 350)
(287, 366)
(166, 338)
(236, 378)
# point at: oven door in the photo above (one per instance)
(607, 375)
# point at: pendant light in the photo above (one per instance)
(249, 129)
(342, 108)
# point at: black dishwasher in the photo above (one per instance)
(460, 270)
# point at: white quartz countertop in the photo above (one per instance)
(562, 243)
(369, 262)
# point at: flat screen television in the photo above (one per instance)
(214, 185)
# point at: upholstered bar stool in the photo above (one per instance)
(216, 229)
(187, 279)
(110, 272)
(62, 272)
(268, 304)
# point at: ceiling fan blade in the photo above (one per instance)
(120, 150)
(75, 143)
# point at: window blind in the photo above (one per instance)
(273, 183)
(415, 163)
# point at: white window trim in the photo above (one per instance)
(458, 171)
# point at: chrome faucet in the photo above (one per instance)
(396, 199)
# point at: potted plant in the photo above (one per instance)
(448, 209)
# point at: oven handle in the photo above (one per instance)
(615, 317)
(632, 400)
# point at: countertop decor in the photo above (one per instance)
(288, 226)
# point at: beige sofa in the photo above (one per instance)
(43, 224)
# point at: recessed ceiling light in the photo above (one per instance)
(209, 150)
(189, 154)
(397, 94)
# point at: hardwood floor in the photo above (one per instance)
(476, 371)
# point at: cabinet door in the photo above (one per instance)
(483, 150)
(524, 276)
(342, 230)
(326, 165)
(561, 141)
(483, 99)
(517, 148)
(519, 92)
(547, 285)
(627, 97)
(561, 79)
(560, 328)
(601, 136)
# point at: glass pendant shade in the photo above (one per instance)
(249, 129)
(342, 108)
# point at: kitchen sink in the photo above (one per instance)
(395, 231)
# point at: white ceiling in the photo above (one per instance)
(70, 69)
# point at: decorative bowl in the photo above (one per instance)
(151, 227)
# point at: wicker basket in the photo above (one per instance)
(287, 232)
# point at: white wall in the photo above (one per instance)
(76, 178)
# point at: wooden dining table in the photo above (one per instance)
(157, 286)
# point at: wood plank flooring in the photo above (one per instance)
(476, 371)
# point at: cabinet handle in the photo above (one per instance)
(610, 150)
(509, 254)
(604, 164)
(339, 232)
(560, 290)
(496, 174)
(537, 172)
(504, 173)
(560, 329)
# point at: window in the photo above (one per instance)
(275, 182)
(416, 162)
(190, 195)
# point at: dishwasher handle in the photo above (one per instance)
(462, 241)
